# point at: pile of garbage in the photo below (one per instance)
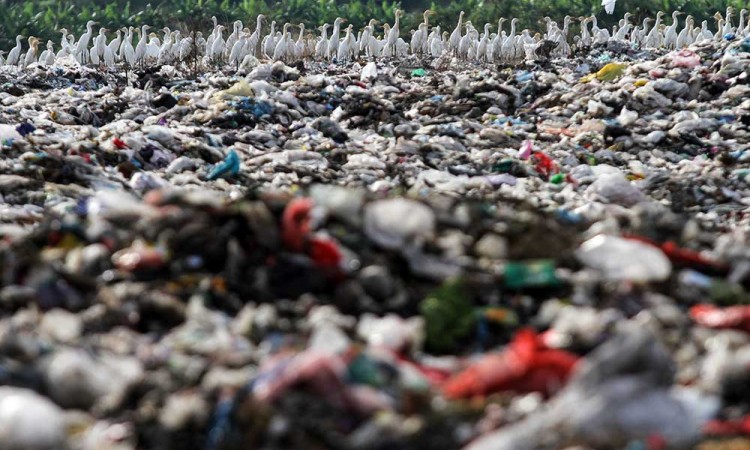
(376, 256)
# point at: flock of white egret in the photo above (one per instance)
(138, 47)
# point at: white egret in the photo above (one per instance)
(719, 27)
(455, 38)
(211, 37)
(254, 39)
(153, 47)
(741, 25)
(237, 54)
(728, 21)
(599, 35)
(418, 39)
(217, 49)
(653, 39)
(508, 50)
(321, 48)
(165, 51)
(269, 42)
(127, 52)
(299, 46)
(497, 41)
(235, 35)
(333, 41)
(83, 42)
(47, 58)
(282, 48)
(684, 38)
(15, 53)
(31, 52)
(393, 35)
(100, 43)
(114, 44)
(346, 46)
(670, 34)
(436, 43)
(140, 48)
(483, 45)
(365, 38)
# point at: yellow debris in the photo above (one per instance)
(610, 72)
(240, 89)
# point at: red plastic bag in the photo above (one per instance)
(735, 317)
(119, 143)
(545, 165)
(527, 365)
(728, 427)
(295, 223)
(297, 235)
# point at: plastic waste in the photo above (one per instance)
(720, 291)
(620, 259)
(395, 223)
(369, 72)
(525, 366)
(29, 421)
(614, 188)
(736, 317)
(8, 134)
(240, 89)
(608, 73)
(526, 149)
(685, 58)
(229, 167)
(520, 275)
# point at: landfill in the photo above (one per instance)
(392, 254)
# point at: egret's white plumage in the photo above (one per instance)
(15, 53)
(464, 42)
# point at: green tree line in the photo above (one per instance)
(43, 18)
